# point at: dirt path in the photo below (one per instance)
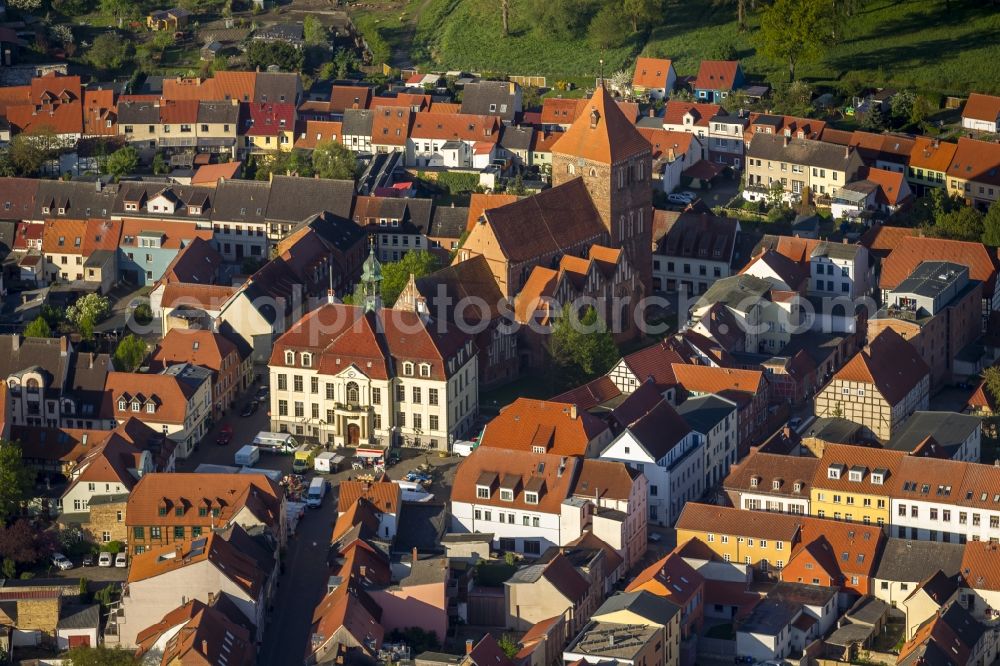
(402, 55)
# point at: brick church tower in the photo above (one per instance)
(615, 162)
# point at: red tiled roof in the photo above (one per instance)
(716, 75)
(268, 119)
(210, 174)
(536, 472)
(710, 379)
(64, 236)
(889, 363)
(906, 256)
(669, 577)
(459, 126)
(591, 394)
(651, 72)
(977, 161)
(391, 125)
(982, 107)
(527, 423)
(229, 493)
(890, 185)
(932, 154)
(385, 496)
(196, 263)
(667, 142)
(102, 235)
(168, 394)
(176, 233)
(979, 565)
(198, 347)
(674, 112)
(209, 297)
(312, 132)
(602, 133)
(349, 97)
(61, 119)
(479, 203)
(179, 111)
(98, 109)
(705, 518)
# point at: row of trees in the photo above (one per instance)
(940, 215)
(329, 159)
(607, 23)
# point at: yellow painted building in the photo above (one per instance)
(855, 484)
(755, 538)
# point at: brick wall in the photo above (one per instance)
(38, 615)
(105, 518)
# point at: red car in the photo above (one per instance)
(225, 435)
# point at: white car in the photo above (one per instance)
(121, 561)
(61, 562)
(104, 560)
(681, 197)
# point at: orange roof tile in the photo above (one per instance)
(667, 142)
(979, 565)
(865, 458)
(977, 161)
(716, 519)
(602, 133)
(716, 75)
(889, 363)
(982, 107)
(210, 174)
(890, 183)
(674, 112)
(317, 131)
(931, 154)
(385, 496)
(527, 423)
(199, 347)
(651, 72)
(711, 379)
(102, 235)
(907, 255)
(204, 296)
(457, 126)
(176, 233)
(64, 236)
(479, 203)
(168, 394)
(561, 111)
(545, 474)
(391, 125)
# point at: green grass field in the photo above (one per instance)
(916, 44)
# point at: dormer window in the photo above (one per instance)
(408, 369)
(306, 359)
(776, 484)
(531, 498)
(425, 369)
(289, 358)
(797, 486)
(856, 475)
(122, 405)
(877, 478)
(538, 449)
(482, 492)
(506, 495)
(754, 481)
(136, 406)
(834, 472)
(150, 408)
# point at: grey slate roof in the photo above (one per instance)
(80, 617)
(908, 561)
(79, 199)
(478, 97)
(138, 113)
(642, 603)
(949, 430)
(833, 429)
(43, 354)
(737, 291)
(277, 87)
(448, 222)
(241, 201)
(357, 122)
(218, 112)
(802, 151)
(516, 138)
(705, 412)
(293, 199)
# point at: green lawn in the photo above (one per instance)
(915, 44)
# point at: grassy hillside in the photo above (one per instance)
(909, 43)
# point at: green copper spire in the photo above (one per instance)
(371, 280)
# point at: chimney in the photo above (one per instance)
(847, 152)
(15, 342)
(204, 646)
(784, 141)
(179, 550)
(572, 411)
(468, 646)
(414, 556)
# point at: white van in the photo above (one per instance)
(317, 489)
(327, 462)
(463, 448)
(275, 442)
(247, 456)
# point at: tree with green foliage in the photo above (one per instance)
(794, 31)
(285, 56)
(39, 328)
(87, 312)
(23, 543)
(16, 480)
(130, 353)
(120, 11)
(607, 28)
(396, 274)
(100, 655)
(110, 52)
(8, 569)
(314, 32)
(991, 226)
(508, 644)
(332, 159)
(142, 314)
(991, 376)
(29, 152)
(564, 19)
(794, 99)
(344, 62)
(122, 162)
(25, 5)
(581, 346)
(643, 13)
(160, 166)
(965, 223)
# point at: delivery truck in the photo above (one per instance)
(247, 456)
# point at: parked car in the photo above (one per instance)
(88, 561)
(121, 561)
(249, 409)
(262, 394)
(61, 562)
(681, 197)
(225, 435)
(104, 559)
